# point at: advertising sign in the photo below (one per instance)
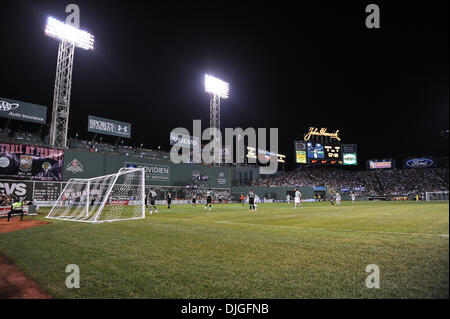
(300, 157)
(421, 162)
(183, 140)
(16, 188)
(383, 164)
(349, 159)
(19, 161)
(23, 111)
(109, 127)
(153, 172)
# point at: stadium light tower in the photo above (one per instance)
(218, 89)
(69, 37)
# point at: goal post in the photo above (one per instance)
(443, 195)
(108, 198)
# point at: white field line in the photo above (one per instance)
(317, 228)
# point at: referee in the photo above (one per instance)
(169, 199)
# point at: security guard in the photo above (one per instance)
(16, 208)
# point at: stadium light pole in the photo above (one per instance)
(69, 37)
(217, 89)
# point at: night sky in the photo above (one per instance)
(289, 66)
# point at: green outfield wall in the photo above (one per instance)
(79, 164)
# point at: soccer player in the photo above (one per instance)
(194, 200)
(146, 201)
(353, 198)
(242, 199)
(169, 199)
(152, 195)
(251, 199)
(297, 198)
(257, 201)
(332, 198)
(338, 199)
(208, 200)
(288, 198)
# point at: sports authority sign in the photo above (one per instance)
(23, 111)
(110, 127)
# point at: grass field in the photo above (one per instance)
(318, 251)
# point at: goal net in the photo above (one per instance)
(436, 195)
(119, 196)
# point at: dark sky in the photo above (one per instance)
(289, 66)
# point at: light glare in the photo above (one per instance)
(59, 30)
(216, 86)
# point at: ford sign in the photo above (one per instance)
(419, 162)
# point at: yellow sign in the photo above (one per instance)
(321, 132)
(301, 156)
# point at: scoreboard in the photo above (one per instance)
(327, 153)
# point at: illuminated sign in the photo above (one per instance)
(349, 159)
(315, 150)
(300, 146)
(419, 162)
(373, 164)
(348, 148)
(264, 156)
(110, 127)
(332, 152)
(321, 132)
(23, 111)
(300, 157)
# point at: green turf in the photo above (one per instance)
(278, 252)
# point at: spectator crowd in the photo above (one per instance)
(369, 182)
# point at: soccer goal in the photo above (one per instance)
(114, 197)
(436, 195)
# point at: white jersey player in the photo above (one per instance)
(297, 198)
(338, 199)
(288, 198)
(353, 198)
(257, 201)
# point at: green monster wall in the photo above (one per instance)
(79, 164)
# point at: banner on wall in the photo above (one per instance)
(20, 161)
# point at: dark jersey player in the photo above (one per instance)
(332, 198)
(208, 200)
(169, 199)
(251, 199)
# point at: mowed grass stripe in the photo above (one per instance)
(189, 253)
